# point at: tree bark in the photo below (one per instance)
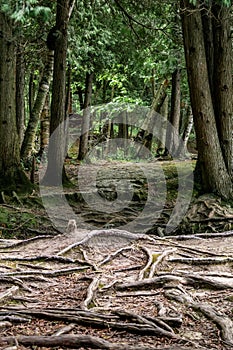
(187, 122)
(148, 125)
(83, 145)
(161, 139)
(44, 127)
(174, 119)
(30, 134)
(214, 174)
(222, 80)
(12, 178)
(56, 152)
(20, 84)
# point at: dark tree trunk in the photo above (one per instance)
(11, 175)
(31, 92)
(222, 80)
(172, 136)
(214, 174)
(208, 42)
(162, 128)
(56, 152)
(83, 145)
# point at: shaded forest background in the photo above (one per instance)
(158, 78)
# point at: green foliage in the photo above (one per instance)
(123, 50)
(21, 10)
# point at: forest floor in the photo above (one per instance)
(109, 288)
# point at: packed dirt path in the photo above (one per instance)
(111, 289)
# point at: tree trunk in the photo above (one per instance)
(222, 80)
(208, 42)
(44, 126)
(31, 92)
(162, 130)
(186, 128)
(149, 123)
(56, 152)
(30, 134)
(172, 142)
(20, 84)
(214, 175)
(11, 175)
(83, 145)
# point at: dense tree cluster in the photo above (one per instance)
(60, 57)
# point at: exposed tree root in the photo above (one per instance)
(90, 293)
(223, 322)
(76, 342)
(138, 325)
(95, 286)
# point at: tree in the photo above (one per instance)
(174, 118)
(11, 175)
(83, 143)
(30, 133)
(56, 152)
(20, 85)
(212, 118)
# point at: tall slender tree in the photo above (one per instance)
(30, 133)
(56, 152)
(83, 144)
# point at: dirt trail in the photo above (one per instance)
(110, 289)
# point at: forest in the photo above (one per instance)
(116, 176)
